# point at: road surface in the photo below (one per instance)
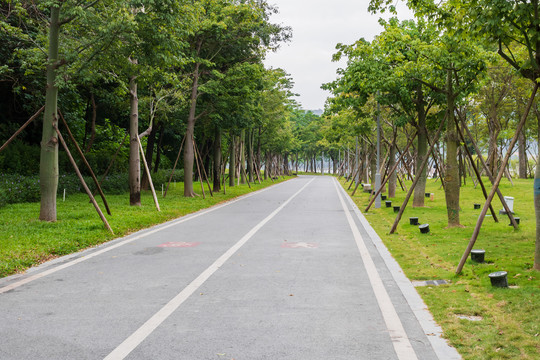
(289, 272)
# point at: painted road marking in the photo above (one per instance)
(299, 245)
(400, 340)
(135, 339)
(180, 244)
(127, 241)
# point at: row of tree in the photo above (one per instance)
(460, 67)
(176, 74)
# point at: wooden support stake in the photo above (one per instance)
(417, 178)
(81, 154)
(174, 167)
(148, 174)
(74, 164)
(391, 172)
(495, 186)
(22, 128)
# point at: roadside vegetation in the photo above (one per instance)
(480, 321)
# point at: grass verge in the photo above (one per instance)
(506, 322)
(25, 241)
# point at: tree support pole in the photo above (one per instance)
(22, 128)
(416, 179)
(495, 186)
(490, 175)
(148, 173)
(174, 167)
(96, 206)
(391, 172)
(81, 154)
(436, 160)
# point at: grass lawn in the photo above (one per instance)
(508, 320)
(25, 241)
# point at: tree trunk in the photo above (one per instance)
(232, 162)
(217, 159)
(134, 159)
(250, 156)
(48, 167)
(420, 189)
(243, 156)
(522, 155)
(537, 199)
(451, 179)
(392, 181)
(190, 130)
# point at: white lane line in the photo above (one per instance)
(400, 340)
(127, 241)
(135, 339)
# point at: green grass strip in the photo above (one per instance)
(25, 241)
(509, 319)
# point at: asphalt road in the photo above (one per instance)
(290, 272)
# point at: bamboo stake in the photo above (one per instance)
(391, 172)
(148, 173)
(21, 128)
(81, 154)
(174, 167)
(88, 192)
(497, 182)
(422, 166)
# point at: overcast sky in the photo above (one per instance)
(318, 25)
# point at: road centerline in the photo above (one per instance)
(135, 339)
(400, 340)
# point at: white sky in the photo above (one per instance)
(318, 25)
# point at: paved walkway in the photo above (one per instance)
(290, 272)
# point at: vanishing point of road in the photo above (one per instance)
(293, 272)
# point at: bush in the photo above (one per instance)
(20, 188)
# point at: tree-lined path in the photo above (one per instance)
(289, 272)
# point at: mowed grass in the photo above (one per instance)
(25, 241)
(509, 319)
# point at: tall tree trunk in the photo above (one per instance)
(522, 145)
(232, 161)
(420, 189)
(537, 197)
(48, 167)
(243, 156)
(145, 183)
(250, 155)
(217, 159)
(392, 181)
(451, 179)
(134, 159)
(494, 129)
(190, 130)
